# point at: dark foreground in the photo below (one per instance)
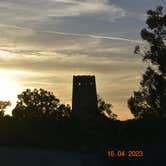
(154, 155)
(50, 143)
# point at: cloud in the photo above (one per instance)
(99, 7)
(94, 36)
(25, 12)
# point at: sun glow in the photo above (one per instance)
(8, 92)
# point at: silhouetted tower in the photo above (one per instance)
(84, 100)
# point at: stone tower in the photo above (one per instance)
(84, 99)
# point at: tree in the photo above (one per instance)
(150, 99)
(3, 106)
(39, 104)
(105, 109)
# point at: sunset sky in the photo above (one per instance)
(43, 43)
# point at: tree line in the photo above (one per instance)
(41, 104)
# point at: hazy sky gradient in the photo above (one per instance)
(45, 42)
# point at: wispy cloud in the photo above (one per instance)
(84, 7)
(43, 9)
(94, 36)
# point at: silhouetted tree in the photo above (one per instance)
(150, 99)
(39, 104)
(3, 106)
(105, 109)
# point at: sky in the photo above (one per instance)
(43, 43)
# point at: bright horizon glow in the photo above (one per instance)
(9, 89)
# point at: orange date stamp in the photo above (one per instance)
(125, 153)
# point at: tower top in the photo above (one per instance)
(83, 76)
(84, 79)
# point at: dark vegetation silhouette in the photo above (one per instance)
(105, 109)
(3, 106)
(40, 104)
(150, 99)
